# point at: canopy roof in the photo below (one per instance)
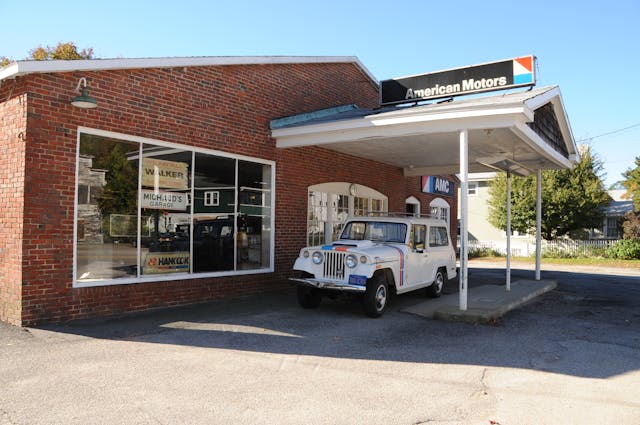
(523, 131)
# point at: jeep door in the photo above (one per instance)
(439, 247)
(418, 267)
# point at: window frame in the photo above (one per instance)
(212, 198)
(472, 188)
(171, 276)
(441, 231)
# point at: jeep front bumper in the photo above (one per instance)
(334, 286)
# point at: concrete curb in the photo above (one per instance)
(485, 304)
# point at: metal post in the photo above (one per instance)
(464, 214)
(508, 231)
(538, 222)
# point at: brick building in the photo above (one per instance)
(172, 181)
(117, 208)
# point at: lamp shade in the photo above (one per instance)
(84, 100)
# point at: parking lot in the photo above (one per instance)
(571, 356)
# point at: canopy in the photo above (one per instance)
(518, 132)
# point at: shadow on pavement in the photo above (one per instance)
(587, 327)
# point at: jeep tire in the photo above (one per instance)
(309, 297)
(376, 296)
(435, 289)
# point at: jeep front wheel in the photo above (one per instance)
(308, 297)
(376, 296)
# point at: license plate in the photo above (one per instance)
(358, 280)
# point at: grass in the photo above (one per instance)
(604, 262)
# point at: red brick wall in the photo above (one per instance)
(226, 108)
(12, 158)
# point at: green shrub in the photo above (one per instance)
(484, 252)
(625, 249)
(556, 253)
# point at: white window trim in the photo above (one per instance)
(442, 205)
(414, 201)
(212, 198)
(472, 186)
(172, 276)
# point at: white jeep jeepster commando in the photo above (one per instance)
(376, 256)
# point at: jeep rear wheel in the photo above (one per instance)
(308, 297)
(435, 290)
(376, 296)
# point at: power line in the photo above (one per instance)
(608, 133)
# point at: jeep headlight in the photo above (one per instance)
(351, 261)
(317, 257)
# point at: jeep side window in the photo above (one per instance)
(438, 236)
(419, 232)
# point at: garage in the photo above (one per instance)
(134, 184)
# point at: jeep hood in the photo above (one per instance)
(373, 249)
(349, 243)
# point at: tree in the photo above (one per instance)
(571, 199)
(631, 182)
(63, 51)
(631, 226)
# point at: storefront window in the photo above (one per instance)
(166, 215)
(341, 211)
(213, 241)
(172, 212)
(254, 215)
(317, 217)
(107, 236)
(360, 206)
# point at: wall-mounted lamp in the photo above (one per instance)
(505, 164)
(83, 101)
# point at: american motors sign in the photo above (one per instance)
(505, 74)
(438, 185)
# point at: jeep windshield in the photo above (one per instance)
(376, 231)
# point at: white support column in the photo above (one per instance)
(538, 222)
(464, 215)
(508, 231)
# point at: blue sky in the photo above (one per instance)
(590, 49)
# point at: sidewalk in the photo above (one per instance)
(485, 303)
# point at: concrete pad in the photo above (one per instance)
(485, 303)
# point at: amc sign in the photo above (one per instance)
(437, 185)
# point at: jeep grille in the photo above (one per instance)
(334, 264)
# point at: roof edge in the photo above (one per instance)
(308, 116)
(554, 95)
(19, 68)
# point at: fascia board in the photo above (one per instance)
(542, 99)
(27, 67)
(376, 126)
(446, 115)
(565, 126)
(9, 71)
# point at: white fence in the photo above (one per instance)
(557, 248)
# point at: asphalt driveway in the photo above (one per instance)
(572, 356)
